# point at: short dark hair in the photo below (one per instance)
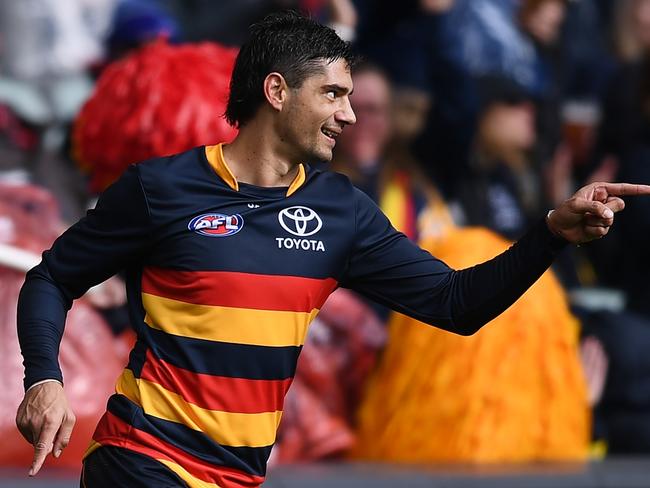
(286, 43)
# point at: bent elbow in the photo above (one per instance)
(463, 327)
(467, 331)
(467, 327)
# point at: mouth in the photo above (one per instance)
(331, 134)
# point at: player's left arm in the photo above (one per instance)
(390, 269)
(589, 214)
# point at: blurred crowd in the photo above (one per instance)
(471, 114)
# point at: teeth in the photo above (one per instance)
(329, 133)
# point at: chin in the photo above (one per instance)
(320, 156)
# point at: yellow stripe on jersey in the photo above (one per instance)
(91, 448)
(227, 324)
(214, 155)
(191, 481)
(297, 181)
(226, 428)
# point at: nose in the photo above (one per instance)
(346, 114)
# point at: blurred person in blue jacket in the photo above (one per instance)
(415, 44)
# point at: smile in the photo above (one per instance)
(331, 134)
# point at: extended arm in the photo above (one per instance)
(389, 269)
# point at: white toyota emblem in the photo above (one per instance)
(300, 221)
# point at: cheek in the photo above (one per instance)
(519, 129)
(509, 128)
(294, 124)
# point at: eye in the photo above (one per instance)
(331, 94)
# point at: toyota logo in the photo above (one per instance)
(300, 221)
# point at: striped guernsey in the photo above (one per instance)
(223, 279)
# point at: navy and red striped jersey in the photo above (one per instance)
(223, 279)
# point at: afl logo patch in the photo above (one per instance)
(216, 225)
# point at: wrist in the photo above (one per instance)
(557, 238)
(50, 380)
(550, 224)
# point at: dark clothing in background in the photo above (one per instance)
(225, 22)
(493, 198)
(626, 117)
(584, 43)
(623, 415)
(634, 231)
(421, 52)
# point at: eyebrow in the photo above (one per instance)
(338, 89)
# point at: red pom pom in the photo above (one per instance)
(161, 100)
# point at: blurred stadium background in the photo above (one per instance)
(474, 118)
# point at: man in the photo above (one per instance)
(229, 252)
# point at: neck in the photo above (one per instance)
(255, 157)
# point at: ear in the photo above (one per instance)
(275, 90)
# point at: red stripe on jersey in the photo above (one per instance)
(239, 290)
(114, 431)
(235, 395)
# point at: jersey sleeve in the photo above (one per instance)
(112, 236)
(387, 267)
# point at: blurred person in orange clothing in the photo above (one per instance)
(378, 159)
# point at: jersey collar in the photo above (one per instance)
(214, 155)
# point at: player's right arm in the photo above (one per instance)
(112, 236)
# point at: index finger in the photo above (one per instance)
(625, 189)
(43, 446)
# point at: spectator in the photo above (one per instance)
(509, 38)
(502, 193)
(137, 22)
(541, 21)
(374, 154)
(623, 416)
(418, 50)
(625, 136)
(626, 119)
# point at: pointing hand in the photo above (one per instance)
(589, 214)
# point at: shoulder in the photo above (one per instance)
(339, 191)
(334, 185)
(174, 181)
(169, 168)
